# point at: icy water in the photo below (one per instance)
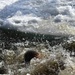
(57, 54)
(43, 16)
(45, 26)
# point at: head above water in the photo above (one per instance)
(29, 55)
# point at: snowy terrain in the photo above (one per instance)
(31, 15)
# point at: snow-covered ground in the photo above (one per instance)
(26, 15)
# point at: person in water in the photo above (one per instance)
(29, 55)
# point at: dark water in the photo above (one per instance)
(12, 52)
(10, 35)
